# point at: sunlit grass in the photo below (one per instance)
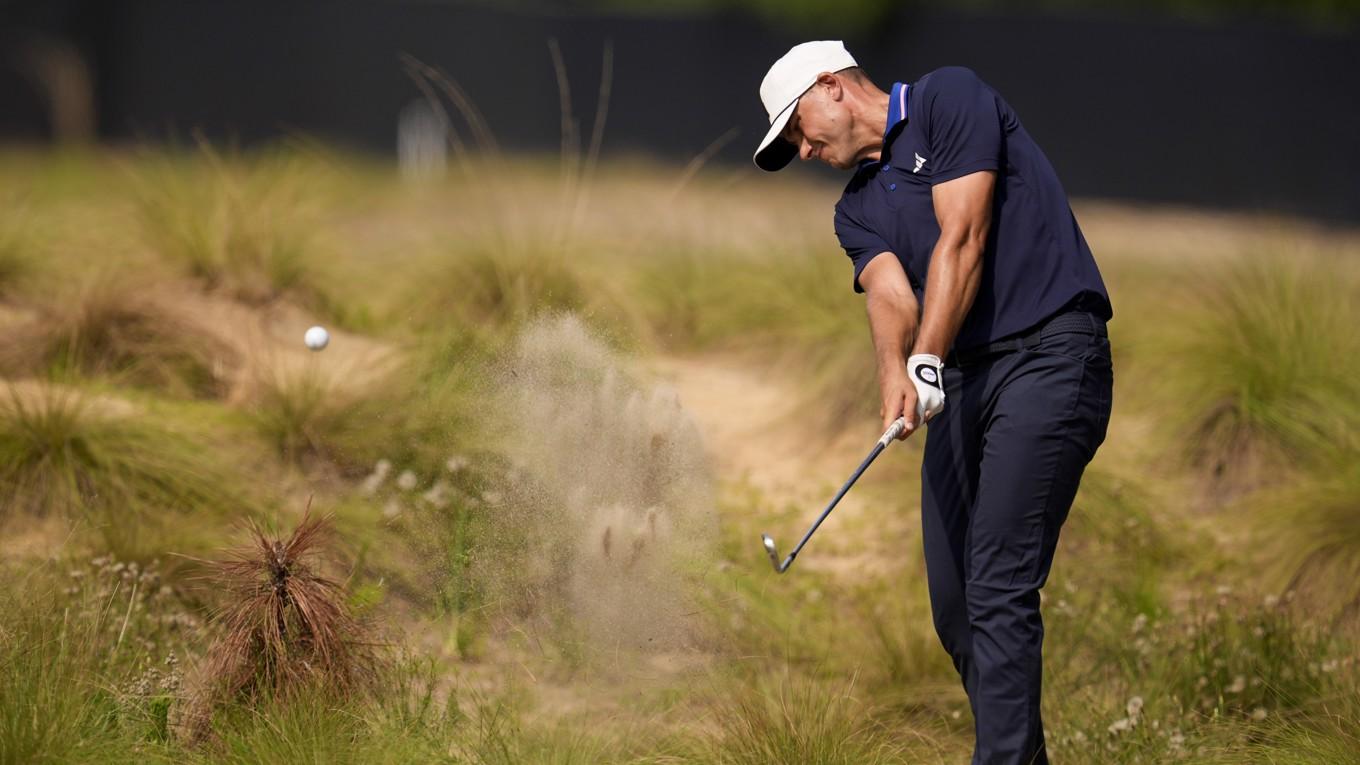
(1249, 367)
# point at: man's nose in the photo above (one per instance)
(804, 149)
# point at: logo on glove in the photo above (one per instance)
(928, 375)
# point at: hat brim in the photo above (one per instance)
(774, 153)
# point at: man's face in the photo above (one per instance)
(820, 126)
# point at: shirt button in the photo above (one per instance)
(887, 167)
(892, 187)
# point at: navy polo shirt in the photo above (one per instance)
(946, 125)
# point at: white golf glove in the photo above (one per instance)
(927, 374)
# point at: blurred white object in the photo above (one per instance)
(422, 142)
(316, 338)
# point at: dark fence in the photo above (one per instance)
(1247, 116)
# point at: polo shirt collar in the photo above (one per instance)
(897, 107)
(897, 114)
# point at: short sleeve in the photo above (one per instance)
(963, 125)
(860, 244)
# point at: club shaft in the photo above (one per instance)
(878, 449)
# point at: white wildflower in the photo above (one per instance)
(1258, 713)
(1135, 707)
(456, 463)
(392, 509)
(1271, 601)
(436, 496)
(1139, 622)
(1121, 725)
(1239, 684)
(375, 479)
(407, 480)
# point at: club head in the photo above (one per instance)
(770, 551)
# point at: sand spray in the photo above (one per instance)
(609, 491)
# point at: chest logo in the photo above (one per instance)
(920, 162)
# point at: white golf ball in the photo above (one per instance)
(316, 338)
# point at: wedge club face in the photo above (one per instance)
(774, 554)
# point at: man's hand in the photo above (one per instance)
(899, 399)
(927, 375)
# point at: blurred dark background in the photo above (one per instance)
(1241, 105)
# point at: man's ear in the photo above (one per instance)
(832, 84)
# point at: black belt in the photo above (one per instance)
(1063, 323)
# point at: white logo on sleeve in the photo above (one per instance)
(920, 162)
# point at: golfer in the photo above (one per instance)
(988, 315)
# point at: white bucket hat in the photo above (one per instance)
(784, 84)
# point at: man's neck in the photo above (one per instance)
(872, 124)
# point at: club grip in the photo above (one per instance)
(894, 430)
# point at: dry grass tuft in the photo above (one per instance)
(285, 625)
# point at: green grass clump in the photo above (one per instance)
(1266, 369)
(1309, 529)
(792, 720)
(305, 414)
(105, 462)
(124, 330)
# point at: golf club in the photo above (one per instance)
(889, 435)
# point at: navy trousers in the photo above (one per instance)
(1002, 463)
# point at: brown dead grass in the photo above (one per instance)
(283, 625)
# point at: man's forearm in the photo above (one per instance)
(892, 325)
(951, 286)
(963, 207)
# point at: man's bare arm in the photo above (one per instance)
(963, 208)
(893, 312)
